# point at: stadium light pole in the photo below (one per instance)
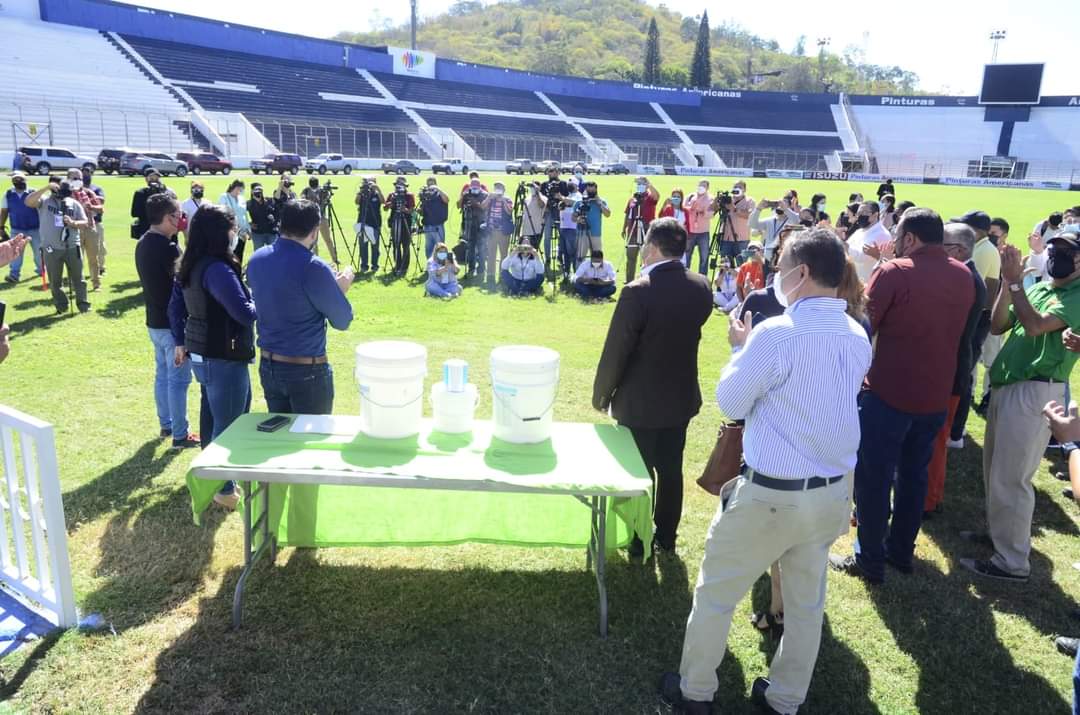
(412, 25)
(997, 36)
(822, 43)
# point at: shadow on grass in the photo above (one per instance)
(322, 637)
(125, 286)
(12, 685)
(40, 322)
(112, 490)
(117, 307)
(35, 303)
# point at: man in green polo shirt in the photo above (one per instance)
(1031, 370)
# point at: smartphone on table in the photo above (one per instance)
(273, 424)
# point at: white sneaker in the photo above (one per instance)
(229, 500)
(955, 443)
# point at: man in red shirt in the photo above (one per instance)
(640, 212)
(918, 305)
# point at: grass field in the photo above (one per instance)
(475, 628)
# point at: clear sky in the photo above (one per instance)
(945, 42)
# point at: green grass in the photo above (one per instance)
(474, 628)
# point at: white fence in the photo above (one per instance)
(33, 536)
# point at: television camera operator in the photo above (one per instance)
(473, 235)
(264, 217)
(552, 193)
(401, 206)
(369, 203)
(532, 212)
(434, 211)
(735, 206)
(321, 196)
(523, 271)
(589, 213)
(138, 202)
(640, 212)
(499, 219)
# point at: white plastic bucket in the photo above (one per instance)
(524, 380)
(453, 410)
(390, 377)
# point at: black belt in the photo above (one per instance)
(790, 485)
(1040, 378)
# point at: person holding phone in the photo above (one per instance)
(523, 271)
(595, 278)
(442, 273)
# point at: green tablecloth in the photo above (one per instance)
(471, 488)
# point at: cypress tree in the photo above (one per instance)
(651, 73)
(701, 65)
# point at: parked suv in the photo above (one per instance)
(108, 160)
(46, 158)
(401, 166)
(205, 161)
(450, 166)
(278, 163)
(142, 162)
(521, 166)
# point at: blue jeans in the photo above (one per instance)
(701, 241)
(443, 290)
(228, 389)
(1076, 686)
(516, 286)
(170, 384)
(258, 240)
(297, 389)
(364, 248)
(433, 235)
(732, 250)
(34, 247)
(568, 249)
(590, 290)
(476, 256)
(893, 443)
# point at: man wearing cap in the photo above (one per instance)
(98, 215)
(369, 201)
(24, 220)
(522, 270)
(138, 201)
(61, 218)
(640, 212)
(1031, 370)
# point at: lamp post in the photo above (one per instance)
(997, 36)
(412, 25)
(822, 43)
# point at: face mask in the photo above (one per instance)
(781, 296)
(780, 212)
(597, 265)
(578, 174)
(441, 255)
(701, 189)
(498, 192)
(592, 193)
(258, 195)
(65, 191)
(1061, 264)
(76, 184)
(676, 201)
(1071, 228)
(19, 185)
(821, 206)
(862, 221)
(197, 193)
(806, 222)
(639, 188)
(234, 241)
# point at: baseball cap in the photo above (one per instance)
(975, 219)
(18, 175)
(1068, 238)
(754, 248)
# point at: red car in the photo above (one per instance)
(198, 163)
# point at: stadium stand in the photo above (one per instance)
(460, 94)
(778, 112)
(590, 108)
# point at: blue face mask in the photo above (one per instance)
(441, 255)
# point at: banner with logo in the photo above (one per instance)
(710, 171)
(854, 176)
(827, 175)
(1010, 183)
(413, 63)
(783, 174)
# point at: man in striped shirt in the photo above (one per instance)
(795, 382)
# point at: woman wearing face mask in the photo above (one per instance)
(888, 211)
(674, 208)
(700, 207)
(442, 274)
(189, 207)
(219, 336)
(233, 199)
(817, 206)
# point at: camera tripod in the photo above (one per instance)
(336, 230)
(472, 238)
(715, 245)
(635, 237)
(395, 248)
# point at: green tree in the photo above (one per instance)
(651, 71)
(701, 65)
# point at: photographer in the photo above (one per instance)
(781, 214)
(471, 204)
(434, 210)
(369, 201)
(499, 216)
(442, 273)
(640, 212)
(568, 233)
(321, 196)
(283, 194)
(589, 213)
(1050, 226)
(61, 218)
(473, 176)
(532, 219)
(736, 233)
(523, 271)
(595, 278)
(700, 207)
(138, 202)
(552, 193)
(400, 204)
(264, 220)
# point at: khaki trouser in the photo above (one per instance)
(759, 526)
(498, 247)
(990, 349)
(91, 245)
(324, 231)
(1016, 438)
(99, 229)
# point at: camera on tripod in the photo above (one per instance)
(581, 211)
(723, 198)
(326, 192)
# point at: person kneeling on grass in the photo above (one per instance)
(595, 278)
(522, 270)
(442, 273)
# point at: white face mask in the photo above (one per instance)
(702, 189)
(781, 296)
(441, 255)
(76, 184)
(676, 201)
(598, 265)
(821, 206)
(640, 188)
(234, 241)
(736, 192)
(498, 192)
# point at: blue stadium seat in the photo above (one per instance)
(460, 94)
(754, 114)
(587, 108)
(779, 142)
(461, 121)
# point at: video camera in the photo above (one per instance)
(326, 192)
(581, 211)
(724, 199)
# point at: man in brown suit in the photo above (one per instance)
(648, 372)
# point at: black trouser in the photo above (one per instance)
(959, 423)
(662, 451)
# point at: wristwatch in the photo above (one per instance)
(1015, 287)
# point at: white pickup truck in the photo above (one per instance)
(332, 163)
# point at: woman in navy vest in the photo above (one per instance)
(219, 336)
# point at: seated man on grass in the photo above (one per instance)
(595, 278)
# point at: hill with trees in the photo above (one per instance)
(607, 39)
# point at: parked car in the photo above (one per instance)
(450, 166)
(332, 163)
(108, 160)
(615, 169)
(44, 159)
(205, 161)
(142, 162)
(545, 166)
(594, 168)
(278, 163)
(568, 167)
(521, 166)
(401, 166)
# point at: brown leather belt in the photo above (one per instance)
(273, 357)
